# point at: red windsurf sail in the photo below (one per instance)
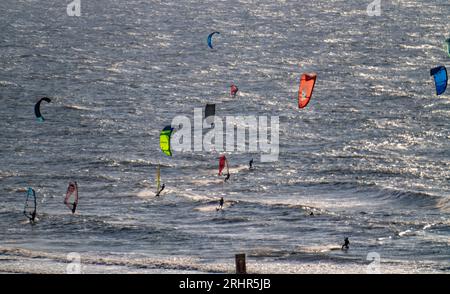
(233, 90)
(306, 89)
(222, 162)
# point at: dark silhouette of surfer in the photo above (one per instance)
(31, 216)
(220, 204)
(346, 244)
(162, 188)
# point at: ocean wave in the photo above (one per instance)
(417, 199)
(212, 202)
(81, 108)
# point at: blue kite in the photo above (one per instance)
(440, 79)
(210, 39)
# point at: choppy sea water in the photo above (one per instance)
(369, 155)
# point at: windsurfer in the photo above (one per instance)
(162, 188)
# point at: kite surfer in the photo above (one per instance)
(227, 178)
(250, 164)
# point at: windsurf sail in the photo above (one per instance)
(223, 162)
(210, 39)
(440, 79)
(30, 207)
(69, 201)
(210, 110)
(158, 178)
(447, 46)
(37, 108)
(306, 89)
(164, 140)
(233, 90)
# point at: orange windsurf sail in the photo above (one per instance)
(306, 89)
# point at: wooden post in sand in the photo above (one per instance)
(240, 264)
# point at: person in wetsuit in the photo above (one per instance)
(346, 244)
(162, 188)
(72, 188)
(220, 203)
(31, 216)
